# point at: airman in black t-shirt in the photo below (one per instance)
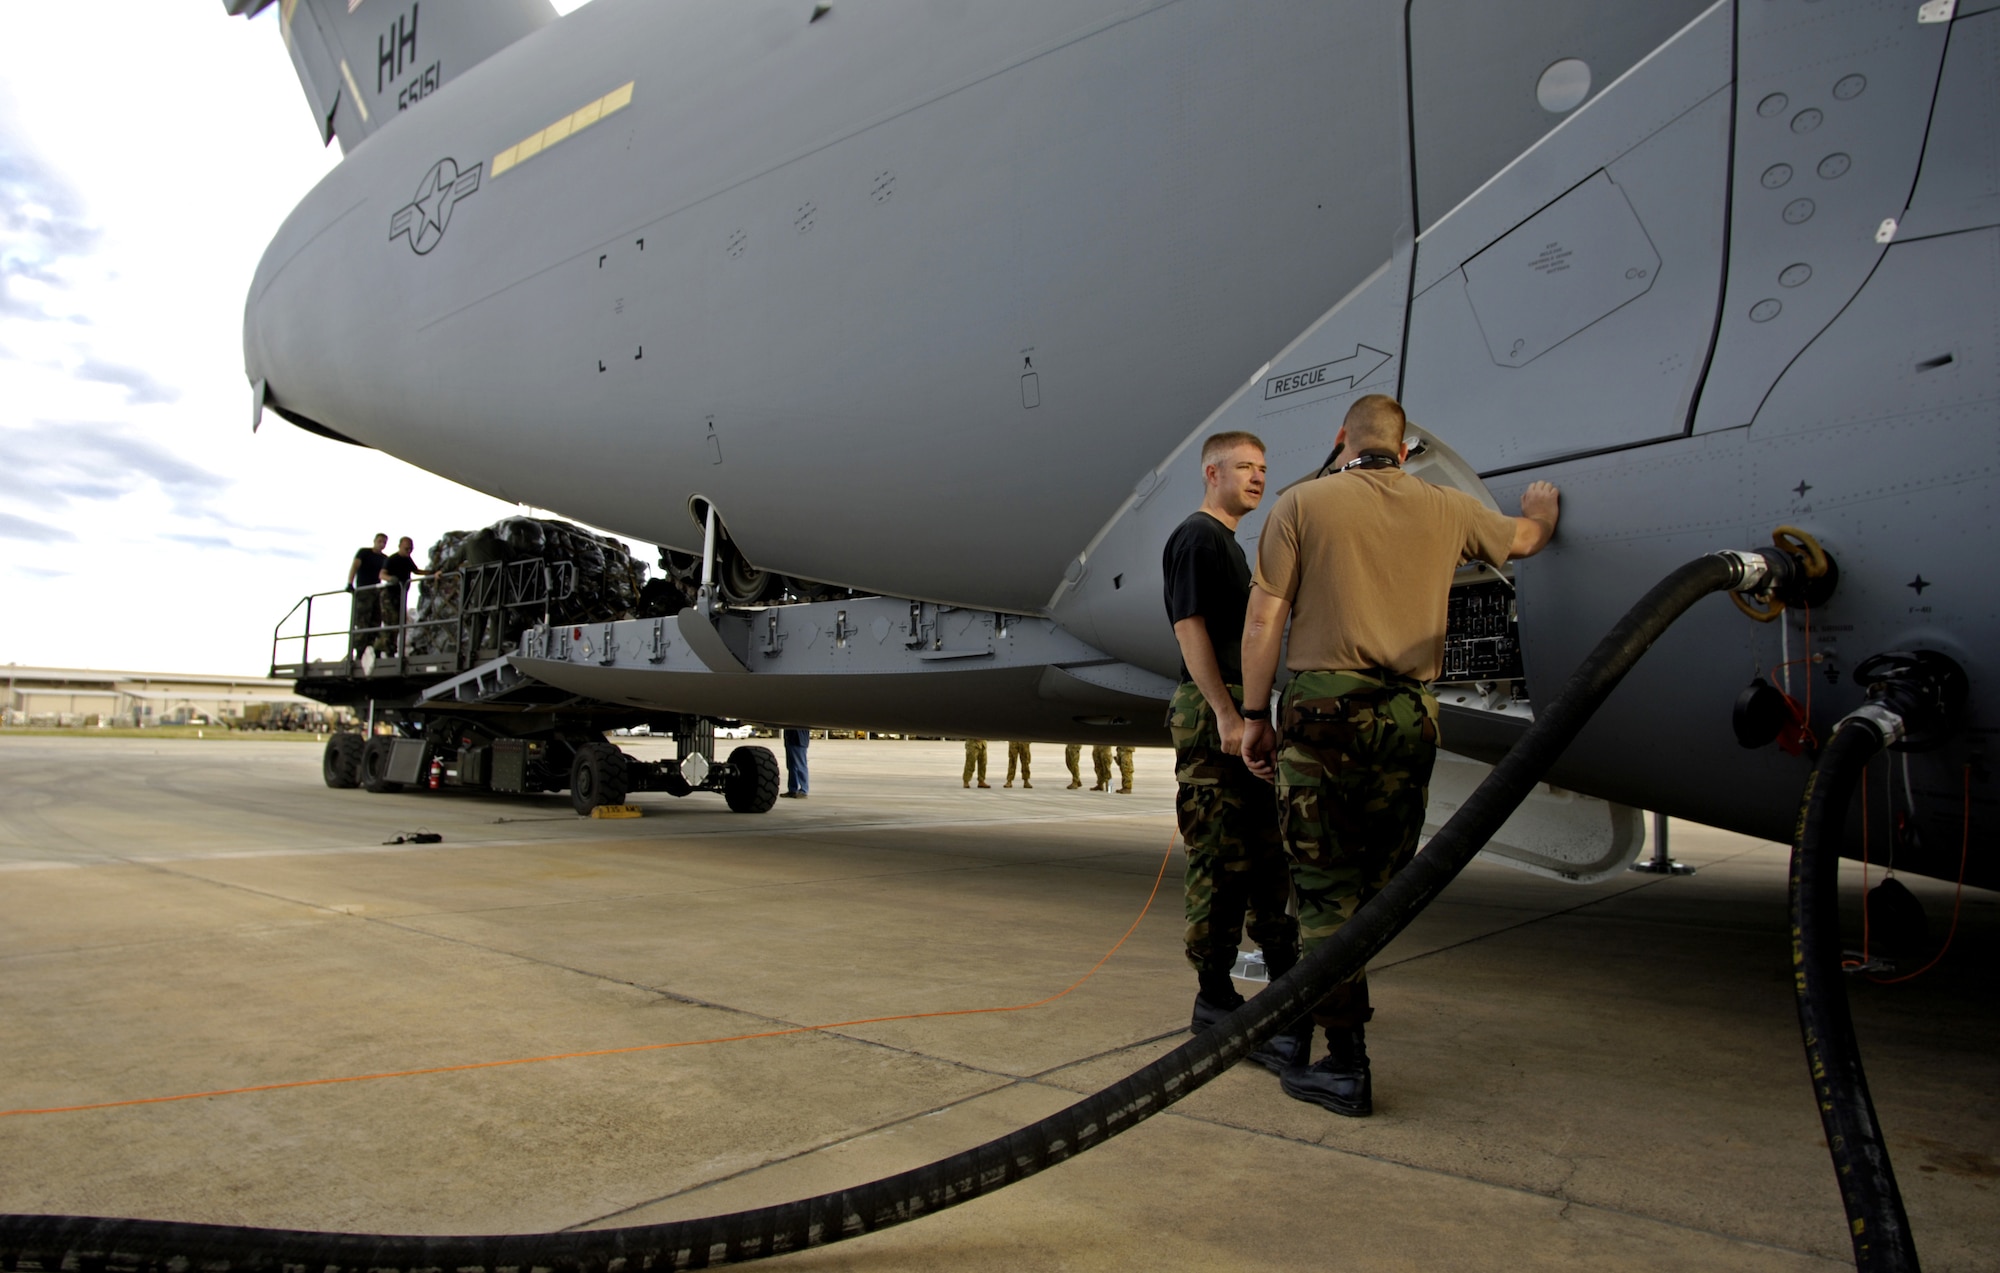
(363, 573)
(1236, 874)
(397, 570)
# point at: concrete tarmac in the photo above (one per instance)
(1601, 1077)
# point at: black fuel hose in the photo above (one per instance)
(153, 1246)
(1879, 1229)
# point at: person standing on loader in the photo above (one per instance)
(364, 578)
(397, 571)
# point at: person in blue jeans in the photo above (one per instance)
(795, 763)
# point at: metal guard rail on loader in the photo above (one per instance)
(477, 599)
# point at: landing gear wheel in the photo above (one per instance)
(597, 776)
(340, 764)
(752, 785)
(742, 583)
(374, 769)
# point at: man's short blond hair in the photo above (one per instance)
(1220, 444)
(1375, 423)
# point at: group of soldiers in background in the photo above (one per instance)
(1018, 757)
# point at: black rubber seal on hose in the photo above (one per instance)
(1879, 1229)
(151, 1246)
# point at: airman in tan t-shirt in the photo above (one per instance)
(1378, 548)
(1361, 562)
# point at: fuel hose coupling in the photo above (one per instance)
(1884, 722)
(1754, 568)
(1798, 572)
(1914, 698)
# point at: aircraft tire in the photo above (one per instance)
(340, 764)
(752, 786)
(742, 583)
(597, 776)
(374, 766)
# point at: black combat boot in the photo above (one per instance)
(1216, 999)
(1340, 1082)
(1293, 1046)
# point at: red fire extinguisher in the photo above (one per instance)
(437, 773)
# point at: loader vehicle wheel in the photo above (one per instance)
(597, 776)
(752, 785)
(375, 765)
(340, 764)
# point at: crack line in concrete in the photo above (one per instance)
(1031, 1080)
(723, 889)
(694, 1001)
(1523, 1190)
(794, 1156)
(1474, 940)
(1558, 1194)
(804, 1028)
(99, 857)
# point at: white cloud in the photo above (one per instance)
(12, 527)
(142, 524)
(41, 229)
(139, 385)
(57, 463)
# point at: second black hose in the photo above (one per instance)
(1877, 1225)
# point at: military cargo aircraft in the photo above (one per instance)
(934, 301)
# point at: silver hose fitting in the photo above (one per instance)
(1754, 569)
(1878, 718)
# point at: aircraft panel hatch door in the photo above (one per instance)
(1583, 326)
(1575, 261)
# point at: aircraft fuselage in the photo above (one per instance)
(930, 301)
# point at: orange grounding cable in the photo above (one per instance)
(639, 1047)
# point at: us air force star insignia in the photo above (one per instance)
(425, 217)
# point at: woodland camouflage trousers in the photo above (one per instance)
(1355, 751)
(1235, 862)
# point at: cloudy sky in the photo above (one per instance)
(148, 150)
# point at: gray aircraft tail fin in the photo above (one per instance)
(362, 62)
